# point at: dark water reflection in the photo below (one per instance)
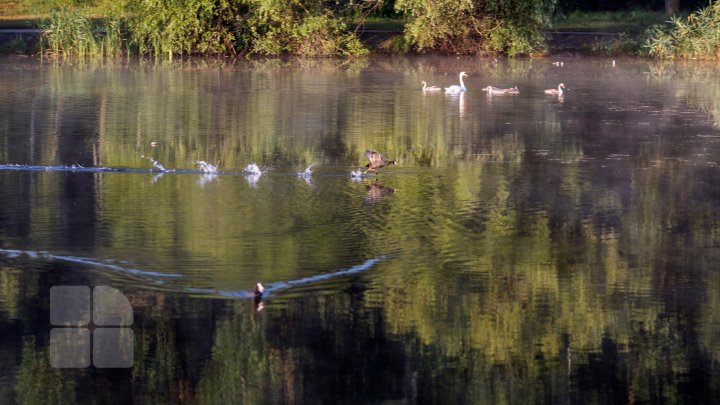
(526, 249)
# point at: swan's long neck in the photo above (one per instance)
(424, 85)
(462, 84)
(560, 89)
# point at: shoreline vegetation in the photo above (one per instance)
(86, 29)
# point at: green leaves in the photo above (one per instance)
(179, 26)
(694, 37)
(268, 27)
(477, 27)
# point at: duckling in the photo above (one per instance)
(492, 90)
(425, 87)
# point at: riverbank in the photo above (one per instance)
(596, 33)
(559, 42)
(26, 41)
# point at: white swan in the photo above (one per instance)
(455, 88)
(429, 88)
(556, 92)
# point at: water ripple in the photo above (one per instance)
(106, 264)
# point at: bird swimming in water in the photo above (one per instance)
(492, 90)
(425, 87)
(259, 290)
(377, 161)
(556, 92)
(455, 88)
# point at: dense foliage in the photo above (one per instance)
(476, 27)
(694, 37)
(245, 26)
(308, 28)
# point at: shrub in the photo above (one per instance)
(474, 27)
(694, 37)
(181, 26)
(325, 36)
(268, 27)
(277, 27)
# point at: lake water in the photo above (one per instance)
(525, 249)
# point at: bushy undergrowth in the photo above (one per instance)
(314, 28)
(183, 27)
(512, 27)
(287, 28)
(694, 37)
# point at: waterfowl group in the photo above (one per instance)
(491, 90)
(378, 161)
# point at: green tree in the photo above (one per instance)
(477, 26)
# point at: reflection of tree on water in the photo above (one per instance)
(696, 83)
(595, 277)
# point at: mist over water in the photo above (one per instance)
(525, 248)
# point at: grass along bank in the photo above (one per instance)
(633, 33)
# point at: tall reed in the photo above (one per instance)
(71, 34)
(694, 37)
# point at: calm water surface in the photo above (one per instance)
(525, 249)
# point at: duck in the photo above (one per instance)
(377, 161)
(258, 297)
(259, 290)
(556, 92)
(425, 87)
(455, 88)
